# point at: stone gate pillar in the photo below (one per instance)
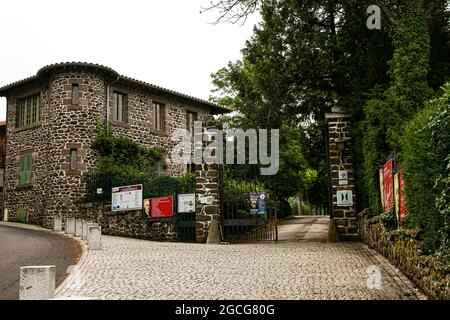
(207, 189)
(341, 175)
(208, 192)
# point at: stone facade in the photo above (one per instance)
(56, 188)
(405, 252)
(340, 156)
(2, 163)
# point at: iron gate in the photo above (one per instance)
(239, 224)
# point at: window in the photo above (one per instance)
(159, 168)
(191, 117)
(119, 107)
(75, 94)
(29, 110)
(73, 159)
(158, 116)
(25, 170)
(190, 168)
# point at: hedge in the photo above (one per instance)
(426, 150)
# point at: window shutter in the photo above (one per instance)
(22, 171)
(114, 107)
(28, 169)
(119, 107)
(163, 117)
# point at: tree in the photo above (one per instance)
(307, 56)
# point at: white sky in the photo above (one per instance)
(164, 42)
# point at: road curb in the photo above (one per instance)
(84, 249)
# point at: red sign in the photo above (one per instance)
(403, 209)
(161, 207)
(388, 190)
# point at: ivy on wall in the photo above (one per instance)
(122, 158)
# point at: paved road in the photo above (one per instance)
(304, 228)
(19, 247)
(138, 269)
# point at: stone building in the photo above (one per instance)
(51, 122)
(2, 163)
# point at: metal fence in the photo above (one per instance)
(99, 189)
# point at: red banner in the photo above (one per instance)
(161, 207)
(388, 190)
(403, 210)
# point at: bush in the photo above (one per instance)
(426, 149)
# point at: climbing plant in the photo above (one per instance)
(123, 159)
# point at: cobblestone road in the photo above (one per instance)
(136, 269)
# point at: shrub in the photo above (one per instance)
(426, 149)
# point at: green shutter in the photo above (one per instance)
(26, 169)
(29, 169)
(22, 171)
(22, 216)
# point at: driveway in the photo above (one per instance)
(20, 247)
(137, 269)
(304, 228)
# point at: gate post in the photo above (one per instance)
(341, 175)
(207, 189)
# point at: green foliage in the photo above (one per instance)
(307, 56)
(424, 159)
(123, 159)
(443, 206)
(386, 113)
(388, 220)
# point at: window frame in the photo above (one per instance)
(159, 116)
(75, 94)
(73, 159)
(29, 110)
(191, 126)
(160, 168)
(123, 108)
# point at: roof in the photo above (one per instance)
(217, 109)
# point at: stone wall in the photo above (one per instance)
(405, 252)
(32, 139)
(139, 125)
(130, 224)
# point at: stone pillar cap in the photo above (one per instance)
(338, 109)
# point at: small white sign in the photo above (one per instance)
(206, 200)
(186, 203)
(345, 198)
(343, 178)
(99, 191)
